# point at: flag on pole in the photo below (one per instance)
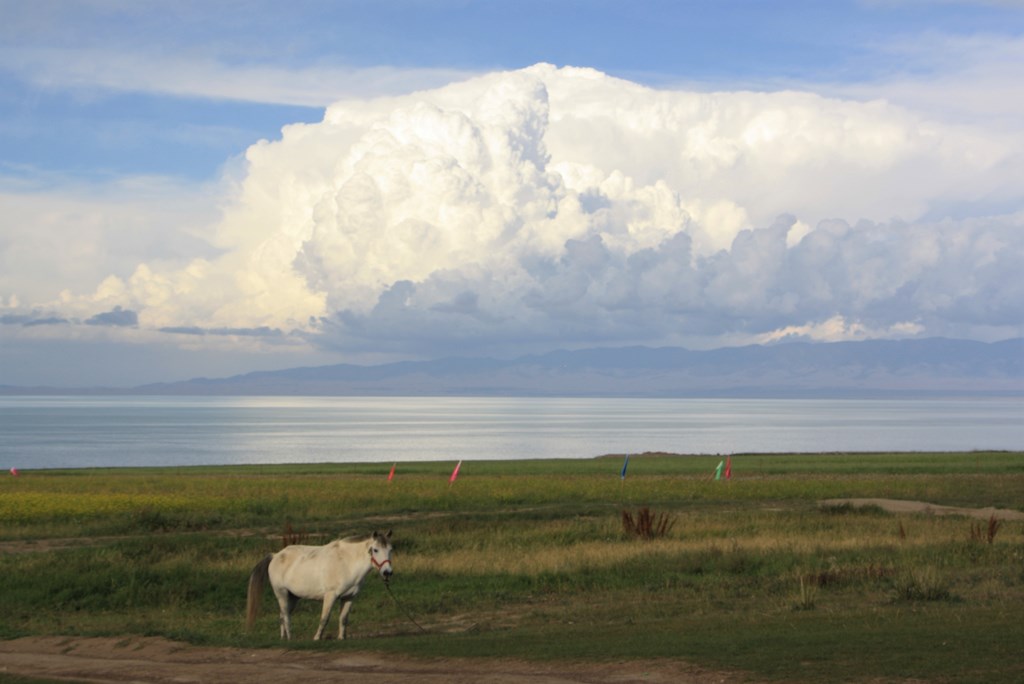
(391, 475)
(455, 473)
(625, 464)
(718, 470)
(728, 467)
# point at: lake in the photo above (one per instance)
(80, 432)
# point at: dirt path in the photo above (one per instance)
(160, 661)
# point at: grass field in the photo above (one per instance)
(529, 559)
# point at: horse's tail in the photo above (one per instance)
(257, 581)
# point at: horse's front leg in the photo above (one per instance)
(325, 614)
(346, 606)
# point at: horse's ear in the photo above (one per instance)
(388, 535)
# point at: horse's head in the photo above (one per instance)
(380, 553)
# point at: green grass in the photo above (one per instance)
(529, 559)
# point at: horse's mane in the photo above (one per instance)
(365, 537)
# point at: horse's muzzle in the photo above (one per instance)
(384, 567)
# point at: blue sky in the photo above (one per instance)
(500, 178)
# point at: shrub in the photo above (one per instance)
(646, 525)
(292, 536)
(922, 585)
(805, 600)
(987, 533)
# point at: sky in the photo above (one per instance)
(194, 189)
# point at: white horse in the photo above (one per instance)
(330, 572)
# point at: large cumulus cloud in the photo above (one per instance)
(561, 207)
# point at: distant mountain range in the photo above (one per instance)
(934, 366)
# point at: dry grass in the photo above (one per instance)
(544, 547)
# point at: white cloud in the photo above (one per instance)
(190, 74)
(969, 78)
(72, 238)
(838, 329)
(561, 206)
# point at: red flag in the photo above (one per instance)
(391, 475)
(728, 467)
(455, 473)
(14, 472)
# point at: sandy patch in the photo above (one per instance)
(901, 506)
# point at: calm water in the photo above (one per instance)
(78, 432)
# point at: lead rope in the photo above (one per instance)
(387, 585)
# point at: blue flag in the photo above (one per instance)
(625, 464)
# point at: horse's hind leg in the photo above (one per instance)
(325, 615)
(286, 600)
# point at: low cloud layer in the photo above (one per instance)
(561, 207)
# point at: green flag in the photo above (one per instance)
(718, 470)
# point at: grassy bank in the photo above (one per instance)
(530, 559)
